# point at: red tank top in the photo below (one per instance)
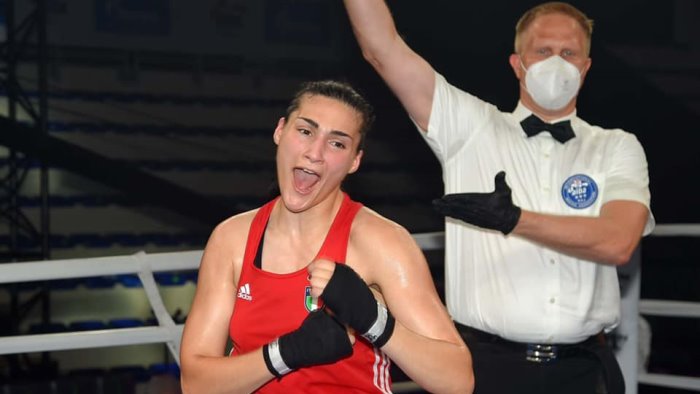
(269, 305)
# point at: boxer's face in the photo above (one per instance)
(317, 148)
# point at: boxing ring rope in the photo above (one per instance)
(141, 263)
(668, 308)
(169, 333)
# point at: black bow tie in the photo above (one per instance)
(561, 131)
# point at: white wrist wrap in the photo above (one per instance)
(379, 325)
(273, 349)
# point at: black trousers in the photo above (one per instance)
(501, 367)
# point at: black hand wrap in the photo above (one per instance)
(493, 210)
(353, 303)
(320, 340)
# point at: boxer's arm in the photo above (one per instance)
(423, 326)
(423, 342)
(205, 366)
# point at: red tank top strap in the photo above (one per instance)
(336, 243)
(257, 226)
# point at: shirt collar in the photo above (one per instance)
(521, 112)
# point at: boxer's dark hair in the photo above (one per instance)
(342, 92)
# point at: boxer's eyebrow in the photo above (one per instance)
(338, 133)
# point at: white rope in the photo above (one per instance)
(83, 339)
(679, 382)
(669, 308)
(161, 313)
(140, 263)
(430, 241)
(405, 387)
(96, 266)
(676, 230)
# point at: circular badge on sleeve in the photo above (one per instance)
(579, 191)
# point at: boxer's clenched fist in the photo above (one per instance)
(321, 339)
(320, 272)
(351, 300)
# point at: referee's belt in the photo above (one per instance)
(595, 345)
(535, 352)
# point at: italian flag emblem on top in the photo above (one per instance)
(311, 303)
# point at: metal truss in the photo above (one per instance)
(25, 43)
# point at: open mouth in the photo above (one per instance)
(304, 179)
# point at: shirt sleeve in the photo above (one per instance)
(454, 117)
(628, 178)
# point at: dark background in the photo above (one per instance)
(645, 79)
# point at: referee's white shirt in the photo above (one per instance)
(507, 285)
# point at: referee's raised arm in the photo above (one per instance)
(409, 76)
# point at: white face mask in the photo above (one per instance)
(552, 82)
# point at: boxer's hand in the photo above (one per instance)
(351, 300)
(321, 339)
(320, 272)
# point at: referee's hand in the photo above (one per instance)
(494, 210)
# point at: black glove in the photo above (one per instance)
(320, 340)
(353, 303)
(494, 210)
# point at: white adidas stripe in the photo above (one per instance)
(381, 371)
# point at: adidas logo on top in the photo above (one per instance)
(244, 292)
